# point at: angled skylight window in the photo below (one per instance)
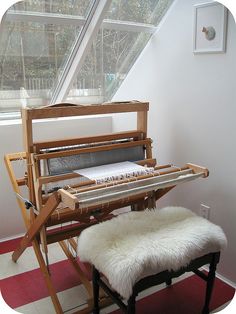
(71, 7)
(136, 11)
(73, 50)
(36, 37)
(126, 28)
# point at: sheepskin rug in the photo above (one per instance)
(137, 244)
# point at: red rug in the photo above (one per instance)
(184, 297)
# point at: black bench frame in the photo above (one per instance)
(164, 276)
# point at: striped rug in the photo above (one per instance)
(23, 288)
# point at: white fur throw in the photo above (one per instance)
(138, 244)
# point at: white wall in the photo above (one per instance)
(11, 141)
(192, 116)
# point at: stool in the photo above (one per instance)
(137, 250)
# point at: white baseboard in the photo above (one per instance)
(223, 278)
(226, 280)
(12, 237)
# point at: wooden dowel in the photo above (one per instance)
(89, 210)
(131, 185)
(21, 181)
(198, 169)
(132, 179)
(100, 199)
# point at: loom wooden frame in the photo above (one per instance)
(37, 221)
(46, 216)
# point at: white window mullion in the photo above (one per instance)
(44, 18)
(80, 49)
(59, 19)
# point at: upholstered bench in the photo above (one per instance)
(137, 250)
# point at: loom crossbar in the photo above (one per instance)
(126, 190)
(131, 185)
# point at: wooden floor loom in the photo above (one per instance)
(67, 202)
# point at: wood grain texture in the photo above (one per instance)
(37, 225)
(88, 139)
(100, 148)
(97, 109)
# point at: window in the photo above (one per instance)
(41, 43)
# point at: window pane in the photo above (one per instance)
(116, 48)
(33, 53)
(148, 11)
(38, 36)
(112, 55)
(30, 60)
(70, 7)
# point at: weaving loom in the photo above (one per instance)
(83, 180)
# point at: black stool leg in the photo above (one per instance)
(131, 305)
(96, 277)
(210, 284)
(168, 282)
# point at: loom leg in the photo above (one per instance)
(210, 284)
(168, 282)
(84, 280)
(134, 207)
(37, 225)
(131, 305)
(96, 277)
(138, 206)
(47, 278)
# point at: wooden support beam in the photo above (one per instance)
(84, 280)
(16, 156)
(97, 109)
(8, 158)
(28, 145)
(47, 278)
(198, 169)
(37, 225)
(142, 121)
(86, 140)
(109, 147)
